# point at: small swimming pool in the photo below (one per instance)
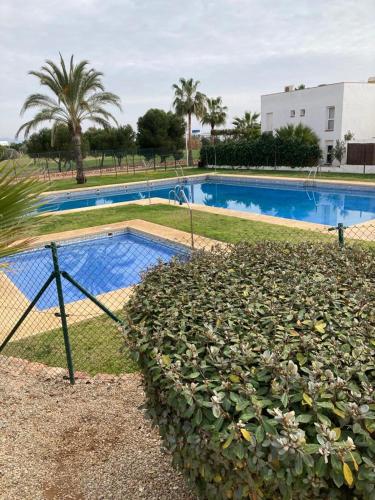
(100, 264)
(322, 203)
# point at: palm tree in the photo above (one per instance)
(189, 101)
(18, 203)
(78, 95)
(215, 113)
(301, 132)
(248, 125)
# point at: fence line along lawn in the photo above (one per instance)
(97, 347)
(101, 180)
(218, 227)
(106, 179)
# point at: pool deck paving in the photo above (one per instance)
(13, 302)
(148, 228)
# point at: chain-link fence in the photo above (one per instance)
(62, 303)
(53, 165)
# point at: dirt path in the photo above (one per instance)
(90, 441)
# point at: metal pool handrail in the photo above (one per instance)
(312, 172)
(175, 193)
(180, 196)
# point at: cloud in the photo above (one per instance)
(238, 49)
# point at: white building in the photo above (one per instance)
(4, 143)
(330, 110)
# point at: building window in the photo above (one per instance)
(302, 112)
(292, 113)
(269, 122)
(331, 118)
(329, 157)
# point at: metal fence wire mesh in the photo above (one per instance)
(60, 164)
(76, 327)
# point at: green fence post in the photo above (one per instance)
(340, 230)
(64, 323)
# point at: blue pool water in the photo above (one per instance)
(100, 265)
(323, 204)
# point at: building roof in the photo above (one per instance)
(317, 87)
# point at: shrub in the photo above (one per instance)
(264, 151)
(259, 369)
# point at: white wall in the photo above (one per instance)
(354, 110)
(359, 111)
(315, 102)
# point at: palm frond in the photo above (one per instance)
(100, 121)
(215, 113)
(247, 125)
(187, 99)
(79, 95)
(45, 115)
(18, 203)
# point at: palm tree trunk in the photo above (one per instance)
(80, 174)
(212, 134)
(190, 152)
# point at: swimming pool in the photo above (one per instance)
(322, 203)
(100, 264)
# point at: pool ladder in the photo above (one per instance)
(178, 195)
(311, 182)
(180, 173)
(311, 177)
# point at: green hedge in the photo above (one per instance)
(259, 369)
(265, 151)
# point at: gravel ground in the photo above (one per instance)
(89, 441)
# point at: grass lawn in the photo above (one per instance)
(218, 227)
(101, 180)
(97, 347)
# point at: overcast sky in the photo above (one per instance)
(238, 49)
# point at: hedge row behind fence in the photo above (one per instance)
(259, 369)
(265, 151)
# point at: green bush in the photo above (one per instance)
(264, 151)
(259, 369)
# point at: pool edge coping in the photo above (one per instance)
(36, 320)
(145, 227)
(207, 174)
